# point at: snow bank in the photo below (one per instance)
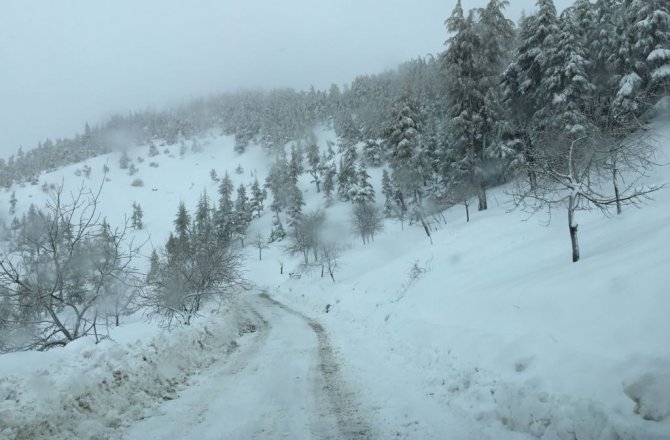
(651, 394)
(88, 391)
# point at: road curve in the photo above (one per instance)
(284, 382)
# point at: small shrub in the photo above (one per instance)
(137, 182)
(153, 164)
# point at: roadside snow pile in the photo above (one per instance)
(651, 394)
(87, 391)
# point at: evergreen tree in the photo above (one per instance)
(124, 160)
(473, 62)
(643, 54)
(570, 109)
(242, 213)
(258, 196)
(136, 218)
(12, 203)
(522, 92)
(329, 172)
(295, 204)
(202, 222)
(346, 176)
(153, 276)
(372, 152)
(224, 215)
(362, 191)
(404, 140)
(389, 195)
(315, 167)
(296, 167)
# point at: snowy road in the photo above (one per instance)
(283, 382)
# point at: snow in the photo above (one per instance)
(659, 54)
(628, 84)
(491, 332)
(90, 391)
(662, 73)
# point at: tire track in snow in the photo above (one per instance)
(351, 424)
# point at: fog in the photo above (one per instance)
(67, 62)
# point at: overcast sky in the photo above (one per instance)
(66, 62)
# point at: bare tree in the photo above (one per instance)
(260, 243)
(57, 276)
(304, 235)
(568, 175)
(625, 147)
(367, 221)
(330, 254)
(182, 285)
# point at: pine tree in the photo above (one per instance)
(372, 152)
(329, 172)
(643, 55)
(153, 276)
(224, 215)
(315, 167)
(522, 93)
(258, 196)
(295, 166)
(473, 62)
(389, 195)
(570, 109)
(202, 228)
(404, 140)
(362, 191)
(346, 176)
(242, 213)
(278, 180)
(136, 218)
(124, 160)
(295, 204)
(12, 203)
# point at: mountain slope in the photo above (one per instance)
(491, 331)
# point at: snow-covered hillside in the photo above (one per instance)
(491, 332)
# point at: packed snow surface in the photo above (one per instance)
(491, 332)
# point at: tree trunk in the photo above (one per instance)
(617, 195)
(481, 195)
(573, 229)
(530, 161)
(532, 178)
(467, 211)
(426, 228)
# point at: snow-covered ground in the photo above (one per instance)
(491, 332)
